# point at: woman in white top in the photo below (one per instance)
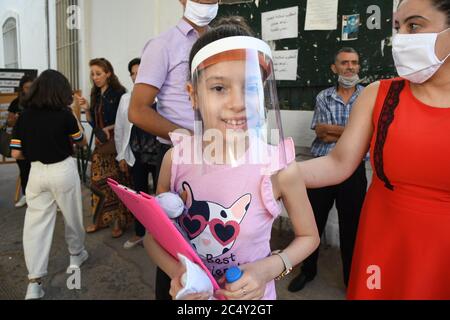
(132, 146)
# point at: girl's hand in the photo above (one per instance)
(251, 286)
(175, 283)
(176, 286)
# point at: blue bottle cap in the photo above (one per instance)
(233, 274)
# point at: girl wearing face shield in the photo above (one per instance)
(235, 170)
(403, 241)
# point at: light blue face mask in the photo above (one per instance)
(349, 82)
(200, 14)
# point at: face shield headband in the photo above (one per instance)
(229, 49)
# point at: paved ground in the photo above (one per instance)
(113, 272)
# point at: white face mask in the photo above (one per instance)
(349, 82)
(415, 57)
(200, 14)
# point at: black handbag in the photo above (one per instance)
(5, 140)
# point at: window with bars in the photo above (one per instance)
(67, 43)
(10, 44)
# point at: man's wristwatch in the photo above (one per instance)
(286, 261)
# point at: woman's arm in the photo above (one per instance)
(289, 186)
(350, 149)
(82, 142)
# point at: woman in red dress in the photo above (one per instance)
(403, 244)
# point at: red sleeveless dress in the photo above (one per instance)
(402, 249)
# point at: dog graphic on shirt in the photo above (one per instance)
(212, 228)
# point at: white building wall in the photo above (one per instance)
(296, 124)
(31, 32)
(118, 30)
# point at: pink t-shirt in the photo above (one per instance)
(231, 211)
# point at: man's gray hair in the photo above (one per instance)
(345, 49)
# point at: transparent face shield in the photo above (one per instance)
(233, 91)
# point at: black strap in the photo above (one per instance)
(384, 122)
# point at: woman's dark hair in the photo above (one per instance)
(113, 81)
(51, 91)
(135, 61)
(231, 26)
(25, 79)
(441, 5)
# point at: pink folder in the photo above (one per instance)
(147, 210)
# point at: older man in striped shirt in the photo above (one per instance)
(333, 107)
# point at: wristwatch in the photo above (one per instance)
(287, 263)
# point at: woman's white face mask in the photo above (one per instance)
(415, 57)
(199, 13)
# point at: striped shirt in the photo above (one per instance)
(331, 109)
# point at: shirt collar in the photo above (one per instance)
(333, 93)
(184, 27)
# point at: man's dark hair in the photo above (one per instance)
(132, 63)
(346, 50)
(51, 91)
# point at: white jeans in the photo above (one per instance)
(49, 186)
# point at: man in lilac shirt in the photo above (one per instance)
(163, 73)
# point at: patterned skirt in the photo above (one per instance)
(107, 208)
